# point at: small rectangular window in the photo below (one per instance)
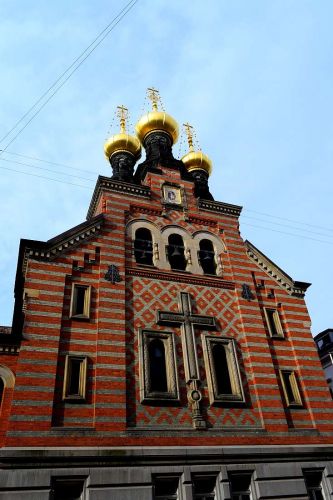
(67, 488)
(75, 378)
(80, 301)
(223, 377)
(204, 487)
(313, 481)
(290, 388)
(273, 322)
(166, 487)
(240, 484)
(158, 375)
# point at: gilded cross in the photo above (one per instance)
(154, 96)
(187, 321)
(189, 133)
(122, 114)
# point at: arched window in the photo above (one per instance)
(157, 366)
(143, 246)
(176, 252)
(2, 390)
(207, 257)
(221, 368)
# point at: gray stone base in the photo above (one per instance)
(129, 473)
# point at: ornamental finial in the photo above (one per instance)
(122, 114)
(189, 133)
(154, 96)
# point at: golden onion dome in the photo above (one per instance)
(197, 160)
(122, 142)
(156, 121)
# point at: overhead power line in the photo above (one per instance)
(44, 177)
(288, 220)
(75, 65)
(46, 169)
(290, 234)
(35, 158)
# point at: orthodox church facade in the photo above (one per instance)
(154, 353)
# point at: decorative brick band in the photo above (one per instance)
(211, 282)
(202, 220)
(220, 207)
(145, 209)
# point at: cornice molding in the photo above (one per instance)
(51, 249)
(296, 288)
(107, 184)
(213, 282)
(220, 207)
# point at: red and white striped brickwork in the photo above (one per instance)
(34, 414)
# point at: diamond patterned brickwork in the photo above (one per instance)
(146, 296)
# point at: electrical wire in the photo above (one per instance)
(44, 177)
(288, 220)
(94, 45)
(290, 234)
(289, 227)
(46, 169)
(47, 161)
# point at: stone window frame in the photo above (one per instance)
(205, 475)
(8, 378)
(219, 249)
(166, 477)
(277, 323)
(145, 335)
(87, 301)
(188, 251)
(324, 486)
(160, 237)
(237, 493)
(237, 396)
(297, 401)
(155, 231)
(65, 482)
(82, 382)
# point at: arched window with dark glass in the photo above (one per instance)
(176, 252)
(207, 257)
(222, 375)
(157, 366)
(143, 246)
(2, 390)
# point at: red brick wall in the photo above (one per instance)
(113, 410)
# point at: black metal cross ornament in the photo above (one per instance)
(113, 274)
(246, 292)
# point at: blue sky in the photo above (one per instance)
(254, 78)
